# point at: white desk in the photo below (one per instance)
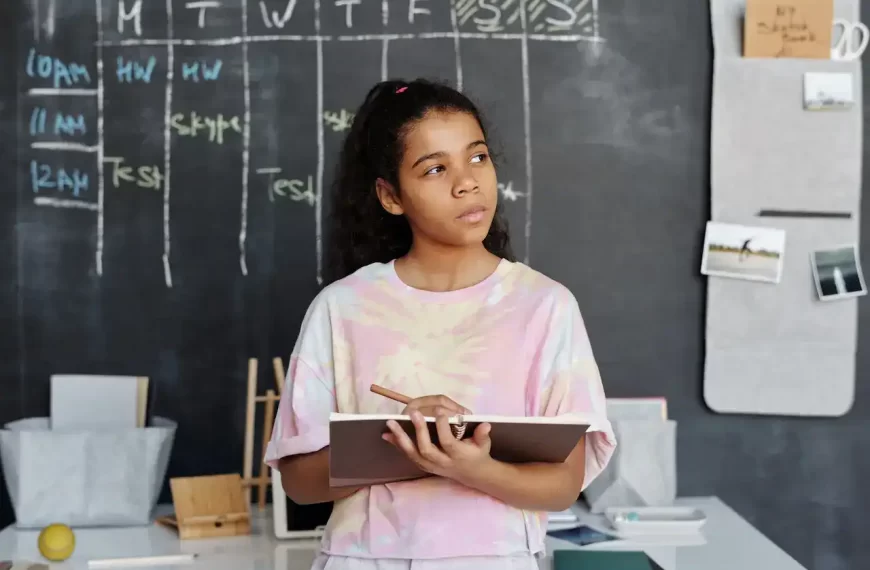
(728, 542)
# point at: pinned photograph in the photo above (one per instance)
(743, 252)
(838, 274)
(828, 91)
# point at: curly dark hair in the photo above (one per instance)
(362, 232)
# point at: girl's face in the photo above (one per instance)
(448, 182)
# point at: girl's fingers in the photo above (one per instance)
(405, 444)
(424, 443)
(400, 439)
(429, 404)
(445, 435)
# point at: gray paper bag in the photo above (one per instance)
(643, 469)
(84, 477)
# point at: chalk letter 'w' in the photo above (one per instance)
(276, 19)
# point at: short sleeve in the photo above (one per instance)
(568, 382)
(308, 396)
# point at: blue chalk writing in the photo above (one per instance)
(69, 124)
(61, 74)
(191, 71)
(43, 176)
(62, 124)
(37, 121)
(129, 71)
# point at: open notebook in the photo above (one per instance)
(358, 455)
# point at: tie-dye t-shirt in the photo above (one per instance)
(513, 344)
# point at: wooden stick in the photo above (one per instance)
(250, 411)
(274, 397)
(163, 560)
(278, 367)
(387, 393)
(268, 420)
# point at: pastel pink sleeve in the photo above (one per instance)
(302, 422)
(569, 382)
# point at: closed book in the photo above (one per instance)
(602, 560)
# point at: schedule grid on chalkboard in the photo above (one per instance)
(181, 29)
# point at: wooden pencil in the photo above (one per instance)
(387, 393)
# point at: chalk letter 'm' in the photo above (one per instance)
(134, 14)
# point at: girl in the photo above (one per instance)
(428, 301)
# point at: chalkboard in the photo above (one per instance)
(174, 160)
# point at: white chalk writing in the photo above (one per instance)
(194, 124)
(134, 14)
(339, 121)
(348, 12)
(414, 10)
(275, 19)
(507, 191)
(202, 6)
(56, 133)
(147, 176)
(294, 189)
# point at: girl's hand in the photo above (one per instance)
(456, 459)
(433, 406)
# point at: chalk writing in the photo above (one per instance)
(193, 70)
(492, 16)
(60, 124)
(486, 15)
(134, 14)
(202, 6)
(148, 177)
(292, 189)
(44, 177)
(213, 127)
(339, 121)
(275, 19)
(61, 74)
(130, 71)
(507, 191)
(562, 16)
(414, 10)
(62, 77)
(791, 28)
(348, 12)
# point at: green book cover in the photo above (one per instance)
(600, 560)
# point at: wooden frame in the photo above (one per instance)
(269, 400)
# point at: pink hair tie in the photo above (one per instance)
(401, 89)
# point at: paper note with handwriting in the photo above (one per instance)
(788, 28)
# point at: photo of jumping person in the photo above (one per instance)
(743, 252)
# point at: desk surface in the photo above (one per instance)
(728, 542)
